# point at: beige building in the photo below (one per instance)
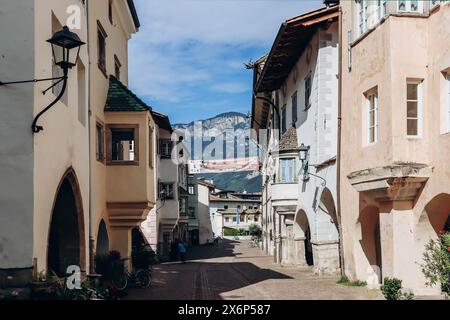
(122, 129)
(395, 141)
(83, 183)
(44, 217)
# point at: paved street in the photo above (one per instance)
(234, 271)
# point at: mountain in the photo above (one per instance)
(221, 150)
(240, 181)
(225, 136)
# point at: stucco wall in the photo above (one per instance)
(118, 34)
(400, 48)
(17, 62)
(64, 142)
(205, 227)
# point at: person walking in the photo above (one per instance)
(182, 251)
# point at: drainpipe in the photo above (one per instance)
(91, 237)
(338, 161)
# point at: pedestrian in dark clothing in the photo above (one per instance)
(182, 248)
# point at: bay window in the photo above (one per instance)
(123, 144)
(287, 170)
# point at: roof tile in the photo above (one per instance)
(122, 99)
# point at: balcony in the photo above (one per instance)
(401, 181)
(284, 191)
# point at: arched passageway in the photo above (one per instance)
(303, 229)
(137, 240)
(102, 239)
(327, 207)
(66, 237)
(438, 211)
(369, 220)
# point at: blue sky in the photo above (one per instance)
(188, 58)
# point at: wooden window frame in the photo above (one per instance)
(101, 63)
(420, 107)
(112, 127)
(151, 162)
(368, 96)
(100, 125)
(110, 11)
(308, 91)
(161, 188)
(447, 92)
(294, 170)
(117, 67)
(294, 100)
(170, 143)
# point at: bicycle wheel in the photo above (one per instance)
(143, 279)
(121, 283)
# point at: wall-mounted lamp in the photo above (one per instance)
(66, 50)
(304, 157)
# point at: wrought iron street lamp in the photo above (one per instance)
(66, 47)
(304, 157)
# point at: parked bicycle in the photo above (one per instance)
(140, 277)
(253, 244)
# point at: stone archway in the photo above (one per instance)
(102, 239)
(434, 219)
(328, 208)
(326, 244)
(438, 211)
(369, 220)
(303, 243)
(66, 240)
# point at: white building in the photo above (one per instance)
(230, 210)
(204, 222)
(168, 220)
(299, 78)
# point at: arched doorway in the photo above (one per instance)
(327, 207)
(369, 220)
(102, 239)
(302, 228)
(66, 245)
(137, 240)
(438, 211)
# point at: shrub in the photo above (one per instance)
(255, 230)
(392, 290)
(110, 266)
(344, 280)
(436, 267)
(235, 233)
(144, 258)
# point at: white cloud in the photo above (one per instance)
(216, 21)
(187, 50)
(231, 87)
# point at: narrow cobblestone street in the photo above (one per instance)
(234, 271)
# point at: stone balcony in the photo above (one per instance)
(285, 195)
(399, 181)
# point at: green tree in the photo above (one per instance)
(436, 267)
